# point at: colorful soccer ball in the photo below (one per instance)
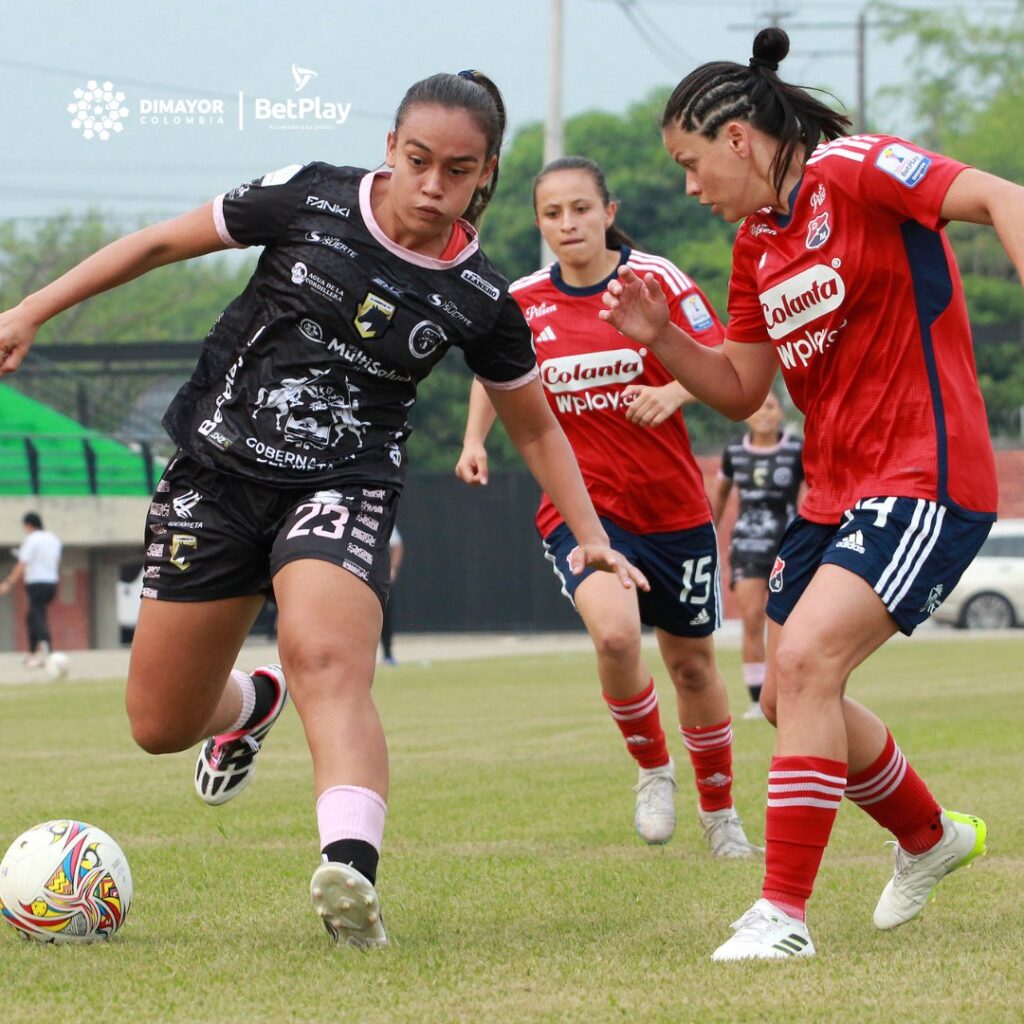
(57, 665)
(65, 881)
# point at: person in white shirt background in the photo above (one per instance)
(38, 566)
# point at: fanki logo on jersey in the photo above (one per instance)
(373, 317)
(818, 231)
(181, 545)
(775, 580)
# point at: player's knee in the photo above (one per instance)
(692, 673)
(800, 668)
(617, 643)
(159, 737)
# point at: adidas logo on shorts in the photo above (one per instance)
(854, 542)
(702, 619)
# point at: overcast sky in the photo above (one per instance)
(241, 53)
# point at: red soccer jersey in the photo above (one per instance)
(859, 292)
(645, 480)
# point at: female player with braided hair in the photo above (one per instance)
(843, 274)
(620, 411)
(291, 437)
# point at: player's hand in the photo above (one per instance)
(606, 559)
(5, 588)
(472, 465)
(17, 333)
(652, 406)
(635, 308)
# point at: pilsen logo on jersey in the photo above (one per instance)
(373, 317)
(800, 299)
(818, 231)
(775, 580)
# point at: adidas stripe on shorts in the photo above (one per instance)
(911, 551)
(685, 598)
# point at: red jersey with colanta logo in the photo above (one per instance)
(859, 292)
(645, 480)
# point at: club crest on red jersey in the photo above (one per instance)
(775, 580)
(818, 231)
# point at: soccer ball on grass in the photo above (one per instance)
(65, 881)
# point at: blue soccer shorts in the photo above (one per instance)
(911, 551)
(685, 598)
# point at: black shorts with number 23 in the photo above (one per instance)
(210, 536)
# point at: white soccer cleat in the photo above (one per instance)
(914, 878)
(753, 713)
(655, 790)
(347, 903)
(766, 933)
(226, 762)
(726, 838)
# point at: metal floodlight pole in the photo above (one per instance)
(554, 139)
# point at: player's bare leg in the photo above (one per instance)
(182, 656)
(835, 625)
(706, 728)
(751, 595)
(328, 629)
(612, 617)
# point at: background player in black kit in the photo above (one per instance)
(291, 438)
(765, 465)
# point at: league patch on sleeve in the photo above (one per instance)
(904, 164)
(281, 175)
(697, 313)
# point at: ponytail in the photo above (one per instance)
(719, 92)
(475, 93)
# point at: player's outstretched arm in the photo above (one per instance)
(472, 465)
(981, 198)
(191, 234)
(732, 378)
(536, 434)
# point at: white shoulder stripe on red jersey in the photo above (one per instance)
(676, 280)
(530, 279)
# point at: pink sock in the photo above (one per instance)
(351, 812)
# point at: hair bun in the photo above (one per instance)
(771, 45)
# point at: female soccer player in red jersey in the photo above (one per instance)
(843, 274)
(291, 454)
(765, 467)
(619, 408)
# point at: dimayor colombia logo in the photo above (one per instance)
(98, 110)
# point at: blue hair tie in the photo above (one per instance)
(471, 75)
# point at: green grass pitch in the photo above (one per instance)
(512, 885)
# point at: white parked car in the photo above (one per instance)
(990, 594)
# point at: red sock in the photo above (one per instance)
(640, 724)
(804, 794)
(897, 798)
(710, 748)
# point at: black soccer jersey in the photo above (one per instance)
(768, 480)
(310, 373)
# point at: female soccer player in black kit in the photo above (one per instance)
(291, 450)
(765, 466)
